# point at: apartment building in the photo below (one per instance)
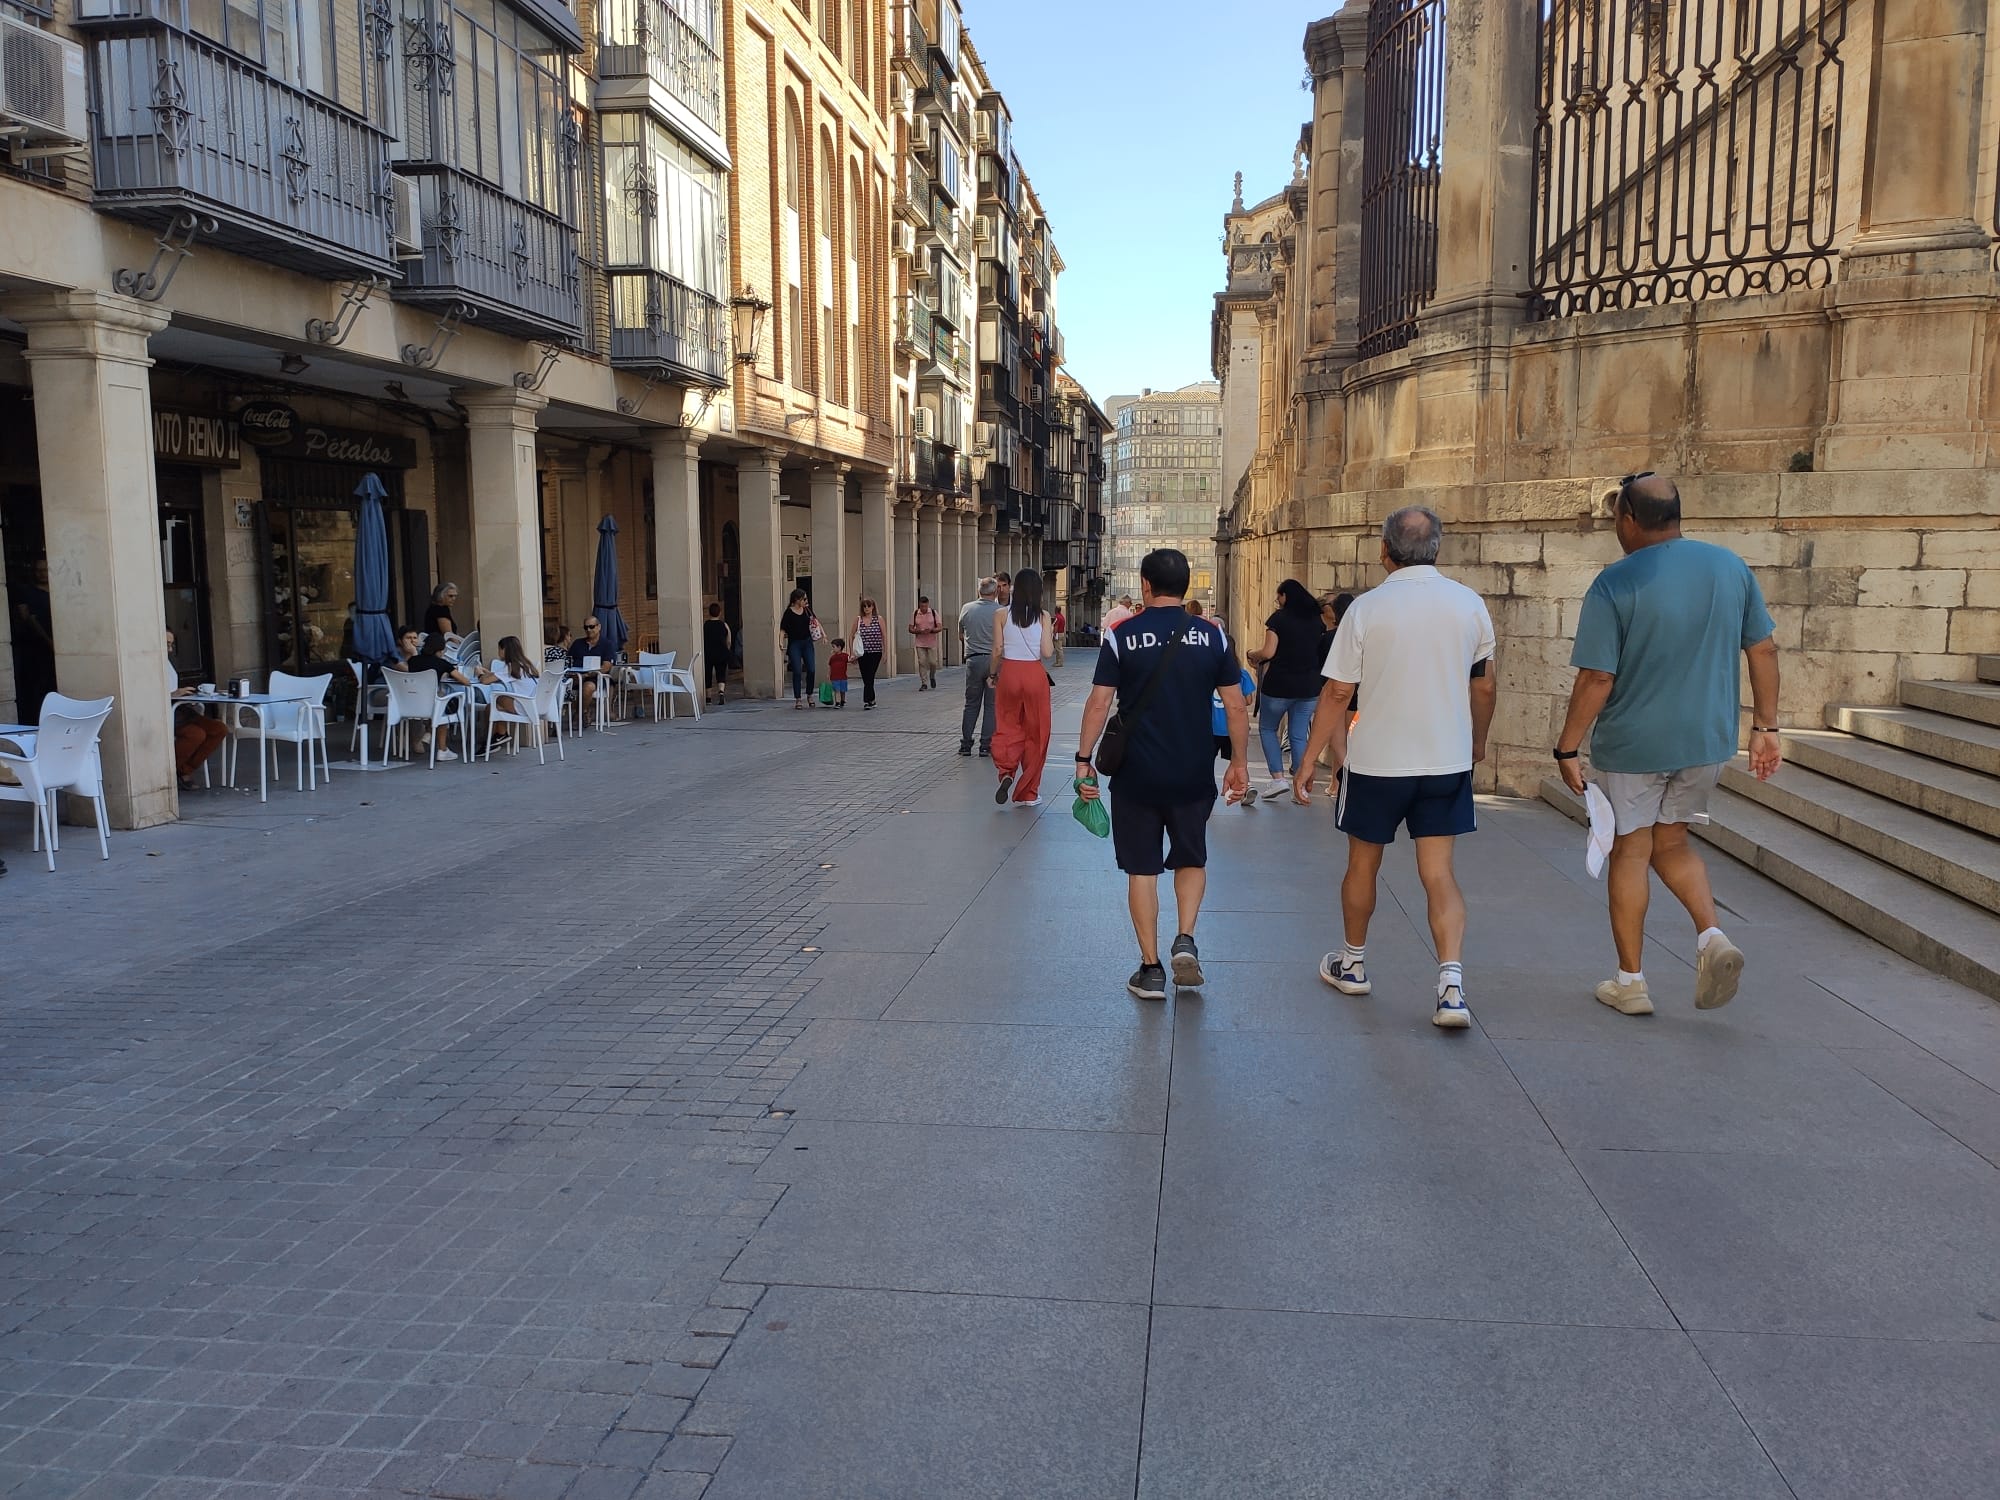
(1166, 481)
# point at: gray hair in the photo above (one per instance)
(1413, 536)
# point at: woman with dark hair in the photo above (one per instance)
(1291, 659)
(1021, 704)
(870, 640)
(795, 625)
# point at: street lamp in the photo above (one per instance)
(748, 310)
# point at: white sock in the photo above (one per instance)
(1634, 977)
(1707, 936)
(1450, 977)
(1351, 953)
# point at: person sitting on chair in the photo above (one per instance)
(195, 738)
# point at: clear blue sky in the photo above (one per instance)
(1130, 119)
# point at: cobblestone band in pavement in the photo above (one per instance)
(753, 1109)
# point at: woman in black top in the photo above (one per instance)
(1290, 691)
(795, 625)
(715, 653)
(438, 618)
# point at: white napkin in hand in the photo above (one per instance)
(1603, 828)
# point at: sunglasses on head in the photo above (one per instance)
(1635, 478)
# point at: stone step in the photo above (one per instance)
(1987, 668)
(1945, 791)
(1952, 858)
(1914, 918)
(1976, 701)
(1955, 741)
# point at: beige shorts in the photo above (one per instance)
(1640, 799)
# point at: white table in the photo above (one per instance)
(603, 676)
(257, 703)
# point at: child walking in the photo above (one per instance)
(836, 673)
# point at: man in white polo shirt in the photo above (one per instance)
(1420, 650)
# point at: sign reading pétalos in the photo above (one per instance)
(278, 430)
(200, 438)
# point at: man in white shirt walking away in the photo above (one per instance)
(1420, 650)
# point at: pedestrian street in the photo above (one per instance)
(751, 1108)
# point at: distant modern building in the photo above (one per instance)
(1166, 473)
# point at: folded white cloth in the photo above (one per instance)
(1603, 828)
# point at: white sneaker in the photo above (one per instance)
(447, 755)
(1349, 979)
(1034, 801)
(1717, 972)
(1451, 1013)
(1278, 786)
(1627, 999)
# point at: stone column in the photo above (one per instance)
(763, 573)
(1336, 52)
(1486, 184)
(985, 548)
(506, 519)
(950, 591)
(831, 602)
(1920, 172)
(677, 540)
(906, 551)
(930, 551)
(878, 572)
(87, 361)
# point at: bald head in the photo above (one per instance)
(1652, 501)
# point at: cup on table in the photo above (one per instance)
(206, 689)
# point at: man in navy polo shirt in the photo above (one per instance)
(1165, 789)
(1420, 649)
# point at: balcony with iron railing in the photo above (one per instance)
(658, 323)
(913, 203)
(513, 261)
(916, 327)
(180, 125)
(910, 48)
(653, 39)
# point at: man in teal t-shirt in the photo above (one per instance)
(1656, 657)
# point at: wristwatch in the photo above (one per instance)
(1763, 729)
(1562, 754)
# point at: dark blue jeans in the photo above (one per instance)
(799, 661)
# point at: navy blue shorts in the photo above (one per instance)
(1372, 808)
(1139, 828)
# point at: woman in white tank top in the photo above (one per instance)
(1021, 702)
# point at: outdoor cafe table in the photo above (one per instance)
(259, 703)
(603, 675)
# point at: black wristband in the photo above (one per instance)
(1763, 729)
(1084, 758)
(1567, 754)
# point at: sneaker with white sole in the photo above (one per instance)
(1451, 1013)
(1186, 959)
(1349, 979)
(1034, 801)
(447, 755)
(1276, 787)
(1148, 982)
(1627, 999)
(1718, 969)
(1005, 789)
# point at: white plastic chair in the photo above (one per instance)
(302, 725)
(683, 681)
(416, 696)
(65, 759)
(650, 676)
(552, 695)
(79, 708)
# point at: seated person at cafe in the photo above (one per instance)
(556, 653)
(196, 737)
(511, 668)
(590, 644)
(432, 659)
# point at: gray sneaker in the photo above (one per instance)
(1717, 972)
(1186, 959)
(1148, 982)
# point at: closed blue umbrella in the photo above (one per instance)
(604, 589)
(374, 636)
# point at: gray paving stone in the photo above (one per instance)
(1894, 1248)
(859, 1393)
(1026, 1213)
(1065, 1078)
(1860, 1419)
(1264, 1403)
(859, 986)
(968, 984)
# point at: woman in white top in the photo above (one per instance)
(1021, 704)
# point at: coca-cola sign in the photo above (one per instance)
(268, 424)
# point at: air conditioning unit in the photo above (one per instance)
(1035, 395)
(923, 422)
(920, 262)
(906, 238)
(982, 437)
(982, 229)
(899, 92)
(43, 106)
(409, 229)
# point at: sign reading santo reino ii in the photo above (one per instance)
(279, 431)
(193, 437)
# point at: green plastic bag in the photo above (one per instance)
(1090, 813)
(826, 694)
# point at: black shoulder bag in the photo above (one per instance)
(1112, 743)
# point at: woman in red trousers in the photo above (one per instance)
(1021, 707)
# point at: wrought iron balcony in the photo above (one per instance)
(651, 39)
(660, 323)
(1057, 555)
(181, 125)
(514, 262)
(915, 326)
(912, 45)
